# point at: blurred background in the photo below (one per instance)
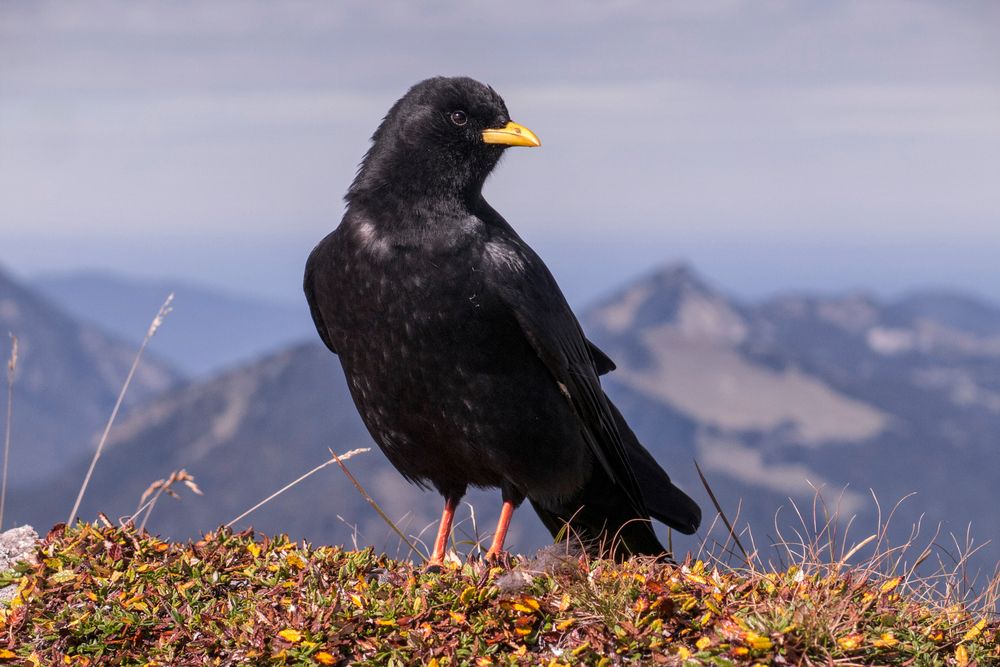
(779, 218)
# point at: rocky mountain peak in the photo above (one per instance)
(674, 296)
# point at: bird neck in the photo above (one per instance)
(405, 177)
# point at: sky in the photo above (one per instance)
(776, 145)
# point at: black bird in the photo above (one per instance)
(464, 359)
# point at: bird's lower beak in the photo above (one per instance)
(511, 134)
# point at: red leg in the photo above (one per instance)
(498, 537)
(444, 531)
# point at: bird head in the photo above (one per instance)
(441, 139)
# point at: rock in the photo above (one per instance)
(16, 545)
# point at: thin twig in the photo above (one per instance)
(11, 368)
(371, 501)
(153, 326)
(722, 515)
(277, 493)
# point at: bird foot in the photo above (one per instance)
(498, 558)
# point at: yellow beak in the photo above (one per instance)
(511, 134)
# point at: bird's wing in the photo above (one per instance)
(313, 265)
(553, 331)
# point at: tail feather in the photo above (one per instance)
(601, 516)
(664, 500)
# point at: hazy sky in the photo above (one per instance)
(775, 144)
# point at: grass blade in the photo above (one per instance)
(722, 514)
(371, 501)
(277, 493)
(11, 369)
(153, 326)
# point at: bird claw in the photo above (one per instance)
(498, 558)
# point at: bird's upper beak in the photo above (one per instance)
(511, 134)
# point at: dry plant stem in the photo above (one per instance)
(371, 501)
(11, 368)
(152, 504)
(154, 325)
(334, 459)
(722, 515)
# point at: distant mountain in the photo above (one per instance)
(208, 331)
(844, 393)
(798, 392)
(68, 377)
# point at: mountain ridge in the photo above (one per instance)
(773, 398)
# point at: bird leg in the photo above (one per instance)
(444, 531)
(506, 512)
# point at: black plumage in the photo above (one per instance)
(464, 359)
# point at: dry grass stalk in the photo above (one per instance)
(11, 369)
(152, 494)
(371, 501)
(153, 326)
(333, 459)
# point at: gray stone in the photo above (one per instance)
(16, 545)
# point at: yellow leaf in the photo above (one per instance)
(524, 632)
(295, 561)
(891, 584)
(62, 576)
(961, 656)
(433, 662)
(527, 605)
(741, 650)
(683, 653)
(703, 643)
(457, 617)
(974, 631)
(385, 622)
(290, 635)
(254, 549)
(850, 642)
(562, 625)
(887, 640)
(757, 642)
(467, 594)
(7, 654)
(325, 658)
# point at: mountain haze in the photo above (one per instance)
(209, 330)
(68, 377)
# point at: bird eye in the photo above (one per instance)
(459, 118)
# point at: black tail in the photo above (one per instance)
(664, 501)
(602, 518)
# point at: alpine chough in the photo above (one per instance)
(461, 354)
